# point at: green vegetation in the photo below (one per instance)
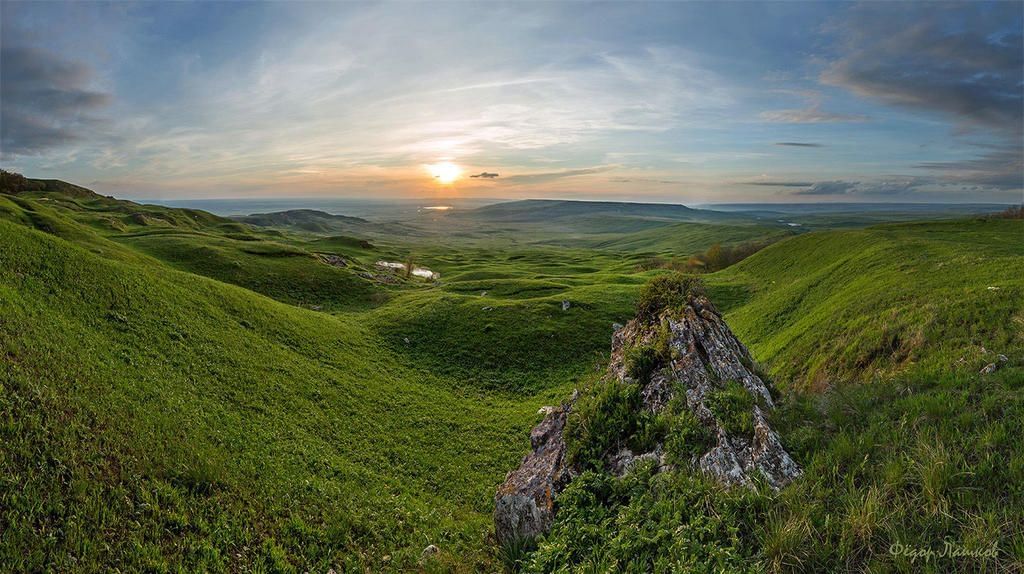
(604, 419)
(919, 455)
(670, 291)
(824, 308)
(170, 401)
(916, 461)
(732, 406)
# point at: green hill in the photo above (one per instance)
(826, 307)
(304, 220)
(169, 404)
(157, 419)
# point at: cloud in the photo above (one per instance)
(485, 175)
(799, 144)
(46, 101)
(781, 183)
(645, 180)
(1001, 168)
(962, 60)
(554, 175)
(887, 185)
(829, 188)
(810, 115)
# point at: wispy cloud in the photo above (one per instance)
(810, 115)
(799, 144)
(828, 188)
(543, 177)
(781, 183)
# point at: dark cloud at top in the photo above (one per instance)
(485, 175)
(45, 101)
(964, 60)
(799, 144)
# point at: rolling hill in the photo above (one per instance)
(170, 402)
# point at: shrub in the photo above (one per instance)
(687, 437)
(669, 291)
(1012, 212)
(513, 553)
(733, 406)
(648, 522)
(605, 416)
(641, 362)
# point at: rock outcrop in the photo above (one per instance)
(703, 354)
(524, 505)
(697, 356)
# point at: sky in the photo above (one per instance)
(687, 102)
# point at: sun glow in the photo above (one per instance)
(445, 172)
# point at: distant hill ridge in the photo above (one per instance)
(542, 209)
(14, 183)
(303, 219)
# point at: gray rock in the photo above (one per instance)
(622, 462)
(428, 552)
(1002, 358)
(989, 369)
(566, 305)
(616, 326)
(332, 259)
(524, 503)
(703, 353)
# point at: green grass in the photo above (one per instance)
(919, 454)
(834, 306)
(155, 419)
(170, 403)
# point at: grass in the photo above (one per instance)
(170, 403)
(918, 456)
(154, 419)
(848, 305)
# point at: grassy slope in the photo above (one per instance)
(689, 238)
(924, 452)
(830, 306)
(156, 418)
(267, 262)
(187, 422)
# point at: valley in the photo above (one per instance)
(187, 391)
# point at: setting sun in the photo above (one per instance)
(445, 172)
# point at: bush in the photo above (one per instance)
(1012, 212)
(641, 362)
(669, 291)
(606, 415)
(648, 522)
(733, 407)
(687, 437)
